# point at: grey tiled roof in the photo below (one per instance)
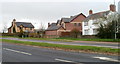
(71, 18)
(66, 19)
(53, 26)
(58, 21)
(97, 15)
(25, 24)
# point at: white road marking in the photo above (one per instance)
(63, 60)
(0, 63)
(106, 58)
(17, 51)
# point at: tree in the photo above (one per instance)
(118, 27)
(41, 30)
(75, 33)
(110, 29)
(4, 28)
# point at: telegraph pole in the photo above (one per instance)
(115, 22)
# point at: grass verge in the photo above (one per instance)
(70, 39)
(99, 40)
(70, 47)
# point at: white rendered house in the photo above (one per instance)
(119, 7)
(93, 21)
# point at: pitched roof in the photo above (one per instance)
(58, 21)
(71, 18)
(66, 19)
(25, 24)
(97, 15)
(53, 26)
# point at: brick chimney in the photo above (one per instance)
(90, 12)
(48, 24)
(14, 19)
(13, 22)
(112, 8)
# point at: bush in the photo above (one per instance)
(75, 33)
(107, 31)
(33, 35)
(9, 34)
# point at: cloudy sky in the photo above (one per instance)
(44, 11)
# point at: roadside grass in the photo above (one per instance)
(69, 39)
(81, 39)
(69, 47)
(48, 39)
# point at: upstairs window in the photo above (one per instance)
(78, 24)
(75, 24)
(85, 23)
(30, 28)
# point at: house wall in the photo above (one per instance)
(9, 30)
(89, 28)
(51, 32)
(59, 31)
(77, 21)
(70, 26)
(119, 7)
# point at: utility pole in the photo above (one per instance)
(115, 22)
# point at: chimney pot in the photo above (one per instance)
(90, 12)
(112, 8)
(48, 24)
(14, 19)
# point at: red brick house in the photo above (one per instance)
(64, 26)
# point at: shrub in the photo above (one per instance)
(75, 33)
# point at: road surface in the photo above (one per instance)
(109, 45)
(23, 53)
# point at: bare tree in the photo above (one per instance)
(4, 30)
(41, 30)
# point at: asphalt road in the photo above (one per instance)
(22, 53)
(109, 45)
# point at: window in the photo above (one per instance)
(30, 28)
(86, 32)
(95, 31)
(85, 23)
(20, 28)
(78, 24)
(75, 24)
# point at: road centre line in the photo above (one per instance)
(17, 51)
(106, 58)
(63, 60)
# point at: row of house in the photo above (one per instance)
(87, 25)
(65, 25)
